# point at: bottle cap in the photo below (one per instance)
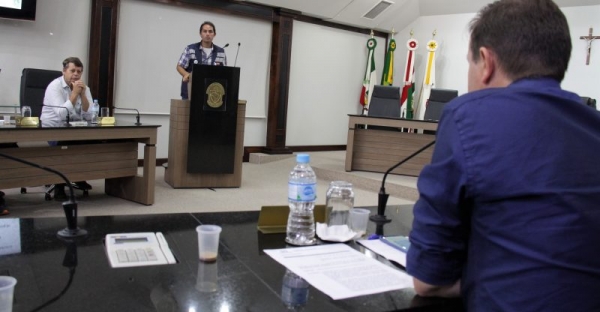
(303, 158)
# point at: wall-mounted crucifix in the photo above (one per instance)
(589, 38)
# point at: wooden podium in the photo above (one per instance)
(176, 174)
(206, 133)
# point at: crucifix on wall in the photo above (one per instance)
(589, 38)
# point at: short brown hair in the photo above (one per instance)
(209, 24)
(529, 37)
(75, 60)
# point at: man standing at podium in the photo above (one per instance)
(203, 52)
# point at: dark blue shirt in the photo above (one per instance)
(510, 203)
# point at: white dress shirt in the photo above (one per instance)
(57, 94)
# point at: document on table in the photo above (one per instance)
(340, 271)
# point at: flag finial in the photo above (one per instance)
(434, 33)
(411, 32)
(372, 33)
(393, 32)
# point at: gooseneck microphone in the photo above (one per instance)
(226, 45)
(138, 123)
(68, 114)
(383, 197)
(69, 206)
(236, 53)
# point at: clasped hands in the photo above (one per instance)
(78, 86)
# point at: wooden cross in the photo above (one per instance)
(589, 38)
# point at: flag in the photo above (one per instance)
(387, 79)
(370, 76)
(408, 87)
(428, 81)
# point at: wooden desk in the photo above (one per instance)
(376, 150)
(115, 160)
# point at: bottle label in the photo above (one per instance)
(302, 192)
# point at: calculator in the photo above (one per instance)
(138, 249)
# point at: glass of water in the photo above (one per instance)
(339, 202)
(25, 111)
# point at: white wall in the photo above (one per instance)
(151, 37)
(326, 75)
(61, 29)
(453, 39)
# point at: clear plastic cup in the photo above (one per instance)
(7, 290)
(359, 218)
(208, 242)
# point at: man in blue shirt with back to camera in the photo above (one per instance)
(508, 216)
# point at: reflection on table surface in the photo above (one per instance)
(57, 275)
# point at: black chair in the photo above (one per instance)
(589, 101)
(385, 102)
(435, 104)
(33, 87)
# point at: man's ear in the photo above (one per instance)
(489, 65)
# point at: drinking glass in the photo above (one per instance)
(339, 202)
(26, 111)
(104, 112)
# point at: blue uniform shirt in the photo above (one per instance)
(510, 203)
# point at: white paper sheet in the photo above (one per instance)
(340, 271)
(385, 250)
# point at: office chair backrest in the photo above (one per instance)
(33, 87)
(588, 101)
(385, 102)
(437, 99)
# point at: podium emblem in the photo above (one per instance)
(215, 92)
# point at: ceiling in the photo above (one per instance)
(398, 15)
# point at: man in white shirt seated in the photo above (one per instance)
(67, 92)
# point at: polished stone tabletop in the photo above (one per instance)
(57, 275)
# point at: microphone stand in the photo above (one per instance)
(138, 123)
(236, 54)
(69, 206)
(383, 197)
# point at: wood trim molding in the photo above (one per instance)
(102, 50)
(281, 53)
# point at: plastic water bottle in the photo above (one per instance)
(95, 110)
(302, 194)
(294, 291)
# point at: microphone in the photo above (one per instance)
(226, 45)
(383, 197)
(69, 206)
(138, 123)
(68, 114)
(236, 54)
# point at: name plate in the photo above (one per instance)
(106, 121)
(27, 121)
(78, 123)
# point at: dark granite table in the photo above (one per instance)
(54, 275)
